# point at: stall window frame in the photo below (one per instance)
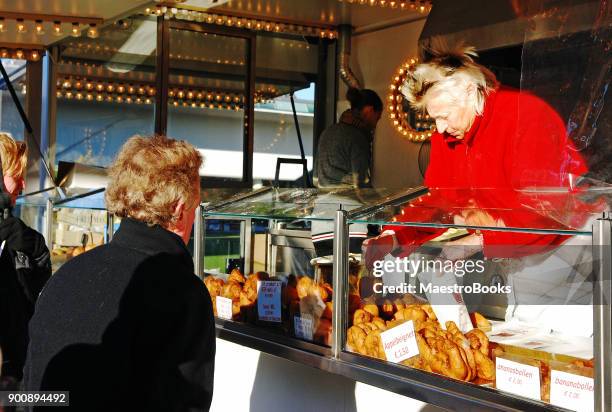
(163, 82)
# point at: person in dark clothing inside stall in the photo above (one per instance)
(128, 325)
(344, 161)
(25, 265)
(344, 156)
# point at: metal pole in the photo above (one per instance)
(48, 234)
(340, 294)
(110, 226)
(248, 246)
(198, 242)
(602, 312)
(299, 136)
(161, 76)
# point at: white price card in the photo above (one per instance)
(572, 391)
(224, 307)
(269, 300)
(517, 378)
(399, 342)
(303, 327)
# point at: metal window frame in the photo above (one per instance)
(163, 81)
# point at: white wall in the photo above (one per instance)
(375, 57)
(248, 380)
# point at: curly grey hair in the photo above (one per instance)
(448, 70)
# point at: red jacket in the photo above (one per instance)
(518, 144)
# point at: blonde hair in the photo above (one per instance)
(14, 155)
(449, 71)
(150, 176)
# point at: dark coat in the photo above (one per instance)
(126, 326)
(25, 267)
(344, 153)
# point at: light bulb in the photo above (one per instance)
(75, 31)
(21, 27)
(38, 27)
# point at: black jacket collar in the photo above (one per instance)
(151, 240)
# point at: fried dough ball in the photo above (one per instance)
(304, 285)
(373, 345)
(484, 365)
(231, 290)
(430, 312)
(478, 341)
(356, 339)
(361, 316)
(445, 358)
(371, 309)
(214, 286)
(480, 322)
(466, 353)
(236, 276)
(393, 323)
(411, 312)
(250, 286)
(380, 323)
(416, 362)
(245, 300)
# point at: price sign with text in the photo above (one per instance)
(572, 391)
(517, 378)
(269, 301)
(303, 327)
(224, 308)
(399, 342)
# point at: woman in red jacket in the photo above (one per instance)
(494, 148)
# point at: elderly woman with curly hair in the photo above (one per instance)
(128, 326)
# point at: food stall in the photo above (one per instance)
(222, 75)
(534, 343)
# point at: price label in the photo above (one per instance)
(572, 391)
(268, 300)
(517, 378)
(224, 307)
(399, 342)
(303, 327)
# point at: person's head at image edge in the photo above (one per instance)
(14, 155)
(451, 88)
(156, 180)
(366, 105)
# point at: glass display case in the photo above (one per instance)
(463, 301)
(71, 222)
(265, 243)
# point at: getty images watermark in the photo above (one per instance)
(431, 273)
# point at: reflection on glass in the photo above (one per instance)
(78, 222)
(10, 121)
(106, 91)
(289, 65)
(208, 78)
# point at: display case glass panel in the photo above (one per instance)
(78, 221)
(466, 286)
(279, 240)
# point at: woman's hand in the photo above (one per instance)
(462, 248)
(378, 247)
